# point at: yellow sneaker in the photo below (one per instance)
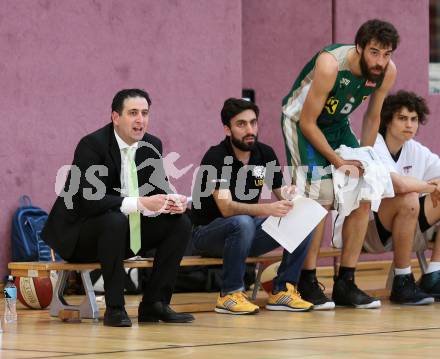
(290, 300)
(235, 303)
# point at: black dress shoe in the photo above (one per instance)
(153, 312)
(116, 317)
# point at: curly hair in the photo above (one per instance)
(394, 103)
(383, 32)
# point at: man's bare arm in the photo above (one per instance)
(324, 77)
(407, 184)
(371, 121)
(228, 207)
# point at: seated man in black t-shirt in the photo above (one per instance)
(228, 216)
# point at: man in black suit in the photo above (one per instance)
(117, 203)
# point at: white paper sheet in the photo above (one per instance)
(291, 230)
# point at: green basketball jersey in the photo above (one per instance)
(346, 95)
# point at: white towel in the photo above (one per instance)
(374, 185)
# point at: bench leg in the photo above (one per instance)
(58, 301)
(423, 263)
(390, 277)
(335, 266)
(257, 281)
(88, 307)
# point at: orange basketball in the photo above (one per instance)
(268, 274)
(35, 293)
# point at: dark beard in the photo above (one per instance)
(368, 75)
(241, 145)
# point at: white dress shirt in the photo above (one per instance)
(129, 204)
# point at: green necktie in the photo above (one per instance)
(133, 191)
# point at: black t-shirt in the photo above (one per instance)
(221, 170)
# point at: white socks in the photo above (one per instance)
(433, 267)
(402, 271)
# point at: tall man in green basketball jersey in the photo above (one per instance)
(315, 122)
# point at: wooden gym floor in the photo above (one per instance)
(390, 332)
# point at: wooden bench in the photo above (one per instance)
(88, 308)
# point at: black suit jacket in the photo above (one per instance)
(63, 226)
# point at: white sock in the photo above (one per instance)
(433, 267)
(401, 271)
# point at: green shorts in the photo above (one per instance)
(311, 172)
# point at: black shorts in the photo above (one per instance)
(384, 234)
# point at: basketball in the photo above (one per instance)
(35, 293)
(267, 275)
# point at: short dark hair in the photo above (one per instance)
(382, 31)
(233, 106)
(394, 103)
(118, 100)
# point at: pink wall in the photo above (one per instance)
(411, 18)
(279, 37)
(62, 62)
